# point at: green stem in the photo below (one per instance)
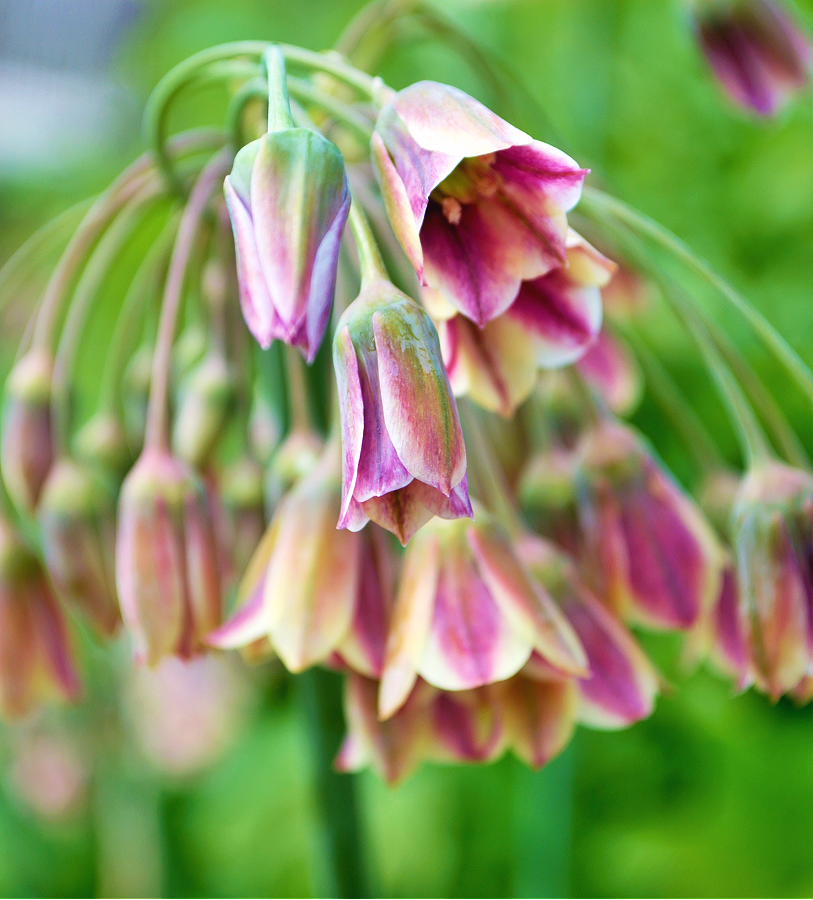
(321, 700)
(254, 89)
(88, 286)
(336, 109)
(370, 262)
(299, 417)
(279, 106)
(157, 432)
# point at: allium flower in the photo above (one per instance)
(648, 547)
(35, 655)
(772, 534)
(610, 368)
(166, 559)
(26, 450)
(312, 590)
(288, 201)
(467, 614)
(404, 456)
(622, 684)
(477, 205)
(551, 323)
(77, 516)
(758, 53)
(541, 717)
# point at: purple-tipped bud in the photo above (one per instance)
(477, 205)
(26, 450)
(77, 516)
(758, 53)
(102, 444)
(468, 614)
(772, 534)
(647, 547)
(404, 456)
(288, 201)
(166, 559)
(204, 403)
(35, 655)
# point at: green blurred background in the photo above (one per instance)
(713, 796)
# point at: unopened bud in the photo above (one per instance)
(101, 443)
(242, 499)
(203, 408)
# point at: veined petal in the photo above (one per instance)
(542, 718)
(468, 726)
(536, 168)
(351, 411)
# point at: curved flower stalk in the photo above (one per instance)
(477, 205)
(760, 56)
(467, 614)
(404, 456)
(647, 546)
(314, 593)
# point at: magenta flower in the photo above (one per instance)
(404, 456)
(477, 205)
(286, 262)
(758, 53)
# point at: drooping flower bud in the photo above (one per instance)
(102, 444)
(166, 559)
(622, 684)
(204, 402)
(547, 493)
(26, 450)
(292, 460)
(77, 516)
(306, 588)
(477, 205)
(541, 717)
(758, 53)
(286, 260)
(404, 456)
(772, 534)
(35, 655)
(467, 614)
(242, 502)
(648, 550)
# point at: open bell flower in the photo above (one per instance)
(758, 53)
(622, 684)
(467, 614)
(478, 205)
(772, 535)
(647, 548)
(404, 456)
(35, 655)
(314, 592)
(288, 200)
(166, 559)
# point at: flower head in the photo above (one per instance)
(477, 205)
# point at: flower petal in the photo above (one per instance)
(542, 717)
(351, 411)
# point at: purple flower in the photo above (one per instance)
(477, 205)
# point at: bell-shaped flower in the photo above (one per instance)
(622, 684)
(468, 614)
(36, 664)
(612, 371)
(758, 53)
(288, 201)
(166, 559)
(26, 450)
(77, 517)
(465, 726)
(477, 205)
(541, 717)
(648, 550)
(404, 456)
(772, 535)
(312, 590)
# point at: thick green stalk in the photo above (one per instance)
(279, 106)
(370, 261)
(320, 694)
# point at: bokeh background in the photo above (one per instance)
(145, 790)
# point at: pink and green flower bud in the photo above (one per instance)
(760, 56)
(724, 636)
(404, 456)
(622, 684)
(205, 401)
(26, 450)
(772, 534)
(468, 614)
(135, 395)
(541, 717)
(648, 550)
(307, 584)
(77, 517)
(287, 261)
(242, 502)
(612, 371)
(264, 430)
(292, 460)
(478, 205)
(36, 663)
(166, 559)
(101, 444)
(627, 294)
(547, 494)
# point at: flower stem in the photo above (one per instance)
(157, 433)
(279, 106)
(370, 262)
(299, 418)
(321, 700)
